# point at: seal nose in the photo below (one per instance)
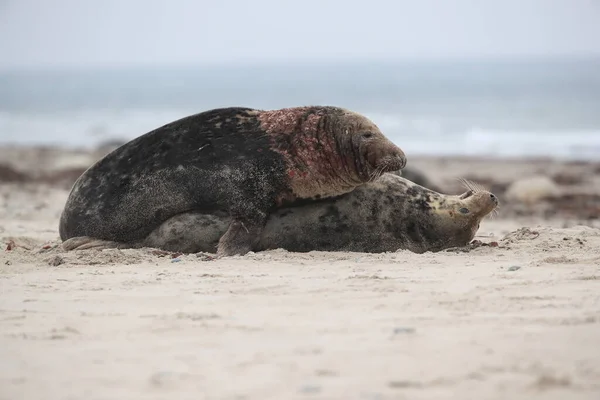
(494, 198)
(401, 158)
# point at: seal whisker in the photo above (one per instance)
(376, 174)
(465, 183)
(379, 172)
(480, 187)
(472, 186)
(372, 175)
(496, 211)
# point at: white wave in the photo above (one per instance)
(415, 135)
(571, 145)
(422, 136)
(81, 129)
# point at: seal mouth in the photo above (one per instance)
(391, 163)
(466, 195)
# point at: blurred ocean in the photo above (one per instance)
(526, 108)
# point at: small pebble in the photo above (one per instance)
(404, 330)
(160, 253)
(308, 389)
(174, 260)
(161, 378)
(56, 261)
(372, 396)
(514, 268)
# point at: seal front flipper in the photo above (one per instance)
(241, 236)
(88, 242)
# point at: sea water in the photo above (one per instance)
(548, 108)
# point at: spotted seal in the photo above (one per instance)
(245, 161)
(389, 214)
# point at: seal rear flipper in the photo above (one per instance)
(88, 242)
(189, 232)
(241, 237)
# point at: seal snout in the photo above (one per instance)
(389, 159)
(494, 198)
(399, 160)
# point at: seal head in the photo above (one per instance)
(329, 150)
(448, 220)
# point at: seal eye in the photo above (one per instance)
(367, 135)
(463, 210)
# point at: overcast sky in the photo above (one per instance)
(123, 32)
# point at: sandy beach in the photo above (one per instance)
(515, 316)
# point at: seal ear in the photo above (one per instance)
(466, 194)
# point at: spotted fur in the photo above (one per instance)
(389, 214)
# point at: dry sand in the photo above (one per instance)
(520, 320)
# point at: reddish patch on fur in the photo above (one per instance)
(310, 151)
(285, 121)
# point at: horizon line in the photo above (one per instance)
(308, 62)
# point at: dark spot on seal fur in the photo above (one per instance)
(423, 204)
(286, 213)
(411, 230)
(332, 212)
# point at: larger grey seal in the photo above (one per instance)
(244, 161)
(389, 214)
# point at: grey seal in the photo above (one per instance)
(386, 215)
(243, 161)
